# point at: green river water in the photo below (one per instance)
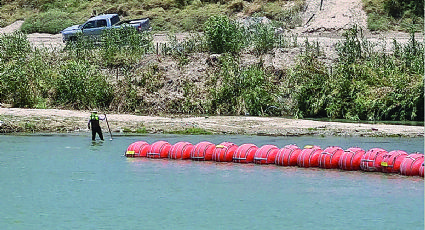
(68, 182)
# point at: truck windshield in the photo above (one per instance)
(115, 19)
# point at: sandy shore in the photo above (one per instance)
(55, 120)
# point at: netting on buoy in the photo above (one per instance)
(372, 159)
(351, 158)
(309, 157)
(329, 158)
(391, 161)
(266, 154)
(245, 153)
(223, 152)
(181, 150)
(288, 155)
(159, 149)
(412, 164)
(202, 151)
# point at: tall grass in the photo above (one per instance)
(223, 35)
(241, 90)
(366, 84)
(405, 15)
(40, 78)
(81, 86)
(51, 21)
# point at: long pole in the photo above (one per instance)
(108, 127)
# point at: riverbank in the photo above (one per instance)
(16, 120)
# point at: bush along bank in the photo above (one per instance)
(124, 73)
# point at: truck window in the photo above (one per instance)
(101, 23)
(115, 19)
(89, 25)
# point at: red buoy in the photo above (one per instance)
(372, 159)
(202, 151)
(224, 152)
(266, 154)
(181, 150)
(137, 149)
(288, 155)
(309, 157)
(391, 161)
(351, 159)
(411, 164)
(329, 158)
(245, 153)
(159, 149)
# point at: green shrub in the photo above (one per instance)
(80, 86)
(14, 46)
(394, 14)
(16, 86)
(264, 38)
(311, 86)
(223, 35)
(52, 21)
(366, 83)
(241, 90)
(124, 46)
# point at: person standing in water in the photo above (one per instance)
(95, 127)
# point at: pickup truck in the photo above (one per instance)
(96, 25)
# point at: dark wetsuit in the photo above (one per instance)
(95, 127)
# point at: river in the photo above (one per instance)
(69, 182)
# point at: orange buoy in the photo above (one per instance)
(391, 161)
(329, 158)
(245, 153)
(159, 149)
(288, 155)
(411, 164)
(372, 159)
(421, 170)
(202, 151)
(309, 156)
(224, 152)
(137, 149)
(266, 154)
(181, 150)
(351, 159)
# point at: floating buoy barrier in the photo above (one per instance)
(159, 149)
(351, 159)
(137, 149)
(245, 153)
(329, 158)
(202, 151)
(309, 156)
(288, 155)
(391, 161)
(411, 164)
(372, 159)
(266, 154)
(224, 152)
(181, 150)
(333, 157)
